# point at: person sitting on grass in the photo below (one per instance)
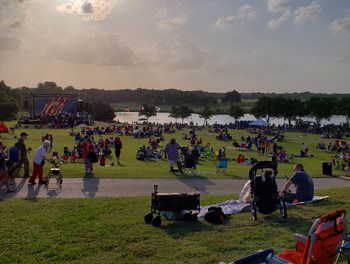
(102, 161)
(239, 159)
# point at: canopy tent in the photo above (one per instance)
(259, 122)
(142, 119)
(3, 128)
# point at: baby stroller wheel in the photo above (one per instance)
(283, 207)
(11, 181)
(148, 218)
(253, 209)
(157, 221)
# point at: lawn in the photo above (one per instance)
(112, 230)
(132, 168)
(224, 107)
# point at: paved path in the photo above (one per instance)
(94, 187)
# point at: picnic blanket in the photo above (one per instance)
(236, 206)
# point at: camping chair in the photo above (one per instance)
(324, 239)
(149, 154)
(73, 158)
(65, 158)
(217, 154)
(221, 166)
(189, 165)
(207, 154)
(263, 256)
(55, 154)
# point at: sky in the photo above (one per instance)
(211, 45)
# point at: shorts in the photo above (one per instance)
(3, 169)
(306, 150)
(289, 197)
(348, 163)
(173, 162)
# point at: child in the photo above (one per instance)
(102, 161)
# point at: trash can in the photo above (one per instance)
(327, 167)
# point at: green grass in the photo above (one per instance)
(132, 168)
(224, 107)
(112, 230)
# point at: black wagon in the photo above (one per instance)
(172, 202)
(264, 194)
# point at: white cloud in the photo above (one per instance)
(23, 22)
(344, 59)
(163, 12)
(10, 42)
(246, 15)
(225, 22)
(278, 5)
(169, 25)
(306, 13)
(91, 9)
(341, 24)
(275, 23)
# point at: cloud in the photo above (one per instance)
(306, 13)
(246, 14)
(169, 25)
(102, 48)
(341, 24)
(229, 21)
(23, 22)
(163, 12)
(344, 59)
(275, 23)
(278, 5)
(90, 10)
(10, 42)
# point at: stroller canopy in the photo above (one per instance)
(259, 122)
(263, 165)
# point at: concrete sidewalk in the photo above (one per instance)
(94, 187)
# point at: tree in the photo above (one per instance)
(148, 111)
(321, 108)
(236, 112)
(49, 88)
(265, 108)
(207, 113)
(10, 101)
(344, 107)
(174, 113)
(288, 108)
(232, 97)
(185, 112)
(103, 111)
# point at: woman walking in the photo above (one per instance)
(118, 147)
(3, 169)
(38, 163)
(86, 149)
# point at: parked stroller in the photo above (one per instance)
(264, 193)
(188, 165)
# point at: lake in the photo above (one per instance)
(220, 119)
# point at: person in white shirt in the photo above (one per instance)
(305, 149)
(38, 163)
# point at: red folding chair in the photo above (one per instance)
(322, 243)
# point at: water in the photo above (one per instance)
(220, 119)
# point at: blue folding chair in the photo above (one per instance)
(221, 166)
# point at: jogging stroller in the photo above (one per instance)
(264, 193)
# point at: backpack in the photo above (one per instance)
(215, 215)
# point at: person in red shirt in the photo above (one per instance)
(107, 142)
(239, 159)
(102, 161)
(193, 141)
(87, 147)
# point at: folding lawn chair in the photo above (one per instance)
(263, 256)
(217, 154)
(322, 244)
(189, 165)
(54, 155)
(65, 158)
(221, 166)
(207, 154)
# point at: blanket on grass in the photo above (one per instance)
(236, 206)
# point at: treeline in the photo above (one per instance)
(159, 97)
(10, 102)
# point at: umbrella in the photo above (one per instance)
(259, 122)
(82, 125)
(142, 119)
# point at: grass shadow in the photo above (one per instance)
(181, 229)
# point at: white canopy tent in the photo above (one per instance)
(259, 122)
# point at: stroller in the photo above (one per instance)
(188, 165)
(264, 194)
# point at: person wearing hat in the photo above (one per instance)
(172, 153)
(22, 155)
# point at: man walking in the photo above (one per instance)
(172, 151)
(22, 155)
